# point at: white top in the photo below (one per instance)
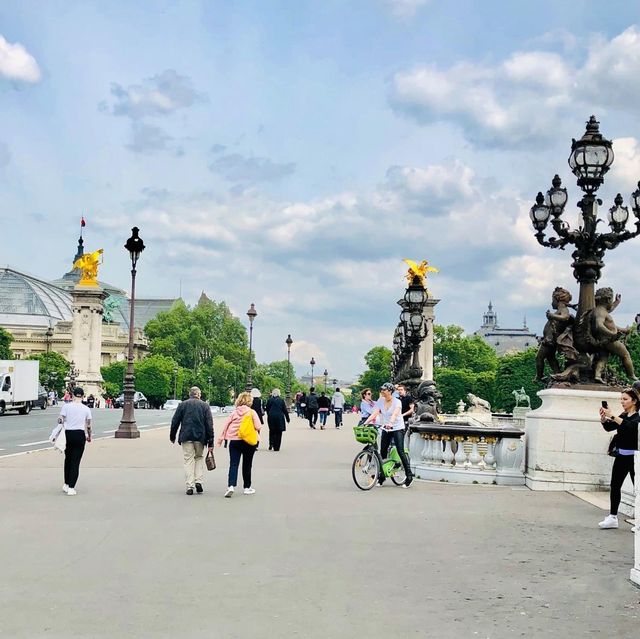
(75, 415)
(337, 400)
(388, 414)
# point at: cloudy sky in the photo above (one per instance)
(292, 153)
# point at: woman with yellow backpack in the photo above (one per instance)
(241, 431)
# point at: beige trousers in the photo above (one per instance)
(193, 463)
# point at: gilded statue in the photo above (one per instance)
(419, 271)
(88, 265)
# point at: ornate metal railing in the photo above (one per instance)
(460, 453)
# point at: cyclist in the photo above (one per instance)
(390, 409)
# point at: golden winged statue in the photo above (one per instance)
(88, 264)
(419, 270)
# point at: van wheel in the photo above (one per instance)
(26, 409)
(2, 408)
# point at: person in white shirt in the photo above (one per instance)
(337, 401)
(75, 418)
(390, 410)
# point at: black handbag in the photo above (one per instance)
(613, 446)
(210, 460)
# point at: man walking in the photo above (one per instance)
(193, 417)
(337, 401)
(312, 407)
(407, 403)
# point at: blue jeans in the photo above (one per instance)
(323, 417)
(237, 449)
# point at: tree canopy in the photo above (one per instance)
(5, 344)
(378, 361)
(53, 370)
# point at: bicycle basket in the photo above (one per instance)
(366, 434)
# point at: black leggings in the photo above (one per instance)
(622, 465)
(73, 452)
(237, 449)
(397, 436)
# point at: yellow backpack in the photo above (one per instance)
(247, 431)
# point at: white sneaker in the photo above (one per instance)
(65, 488)
(72, 491)
(249, 491)
(229, 492)
(610, 521)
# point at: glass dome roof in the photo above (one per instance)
(22, 294)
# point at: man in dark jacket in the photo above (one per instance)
(193, 417)
(312, 407)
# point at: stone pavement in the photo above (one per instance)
(308, 555)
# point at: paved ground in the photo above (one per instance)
(307, 556)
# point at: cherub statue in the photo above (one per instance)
(607, 335)
(460, 407)
(88, 264)
(557, 334)
(419, 270)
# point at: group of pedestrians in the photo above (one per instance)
(314, 407)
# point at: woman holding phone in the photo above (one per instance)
(624, 447)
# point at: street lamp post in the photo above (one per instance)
(251, 314)
(49, 334)
(590, 159)
(175, 382)
(288, 342)
(73, 373)
(128, 428)
(326, 375)
(209, 397)
(313, 363)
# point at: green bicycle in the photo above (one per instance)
(368, 466)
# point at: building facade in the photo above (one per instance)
(505, 340)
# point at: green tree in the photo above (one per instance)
(633, 346)
(514, 372)
(5, 344)
(53, 369)
(454, 386)
(454, 350)
(153, 378)
(378, 361)
(113, 376)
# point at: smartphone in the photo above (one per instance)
(605, 404)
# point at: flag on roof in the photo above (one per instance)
(82, 222)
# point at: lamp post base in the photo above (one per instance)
(127, 430)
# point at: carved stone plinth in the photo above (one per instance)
(86, 338)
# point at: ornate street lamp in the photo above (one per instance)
(73, 373)
(49, 334)
(288, 342)
(128, 428)
(313, 363)
(326, 374)
(590, 159)
(251, 314)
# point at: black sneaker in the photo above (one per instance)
(408, 481)
(199, 488)
(189, 491)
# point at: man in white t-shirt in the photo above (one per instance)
(75, 418)
(337, 402)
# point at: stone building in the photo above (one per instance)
(505, 340)
(38, 315)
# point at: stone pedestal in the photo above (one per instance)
(426, 348)
(566, 446)
(86, 338)
(635, 571)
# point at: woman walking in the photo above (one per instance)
(625, 444)
(238, 448)
(324, 404)
(75, 418)
(256, 403)
(277, 419)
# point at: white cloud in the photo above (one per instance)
(404, 9)
(626, 168)
(524, 97)
(16, 63)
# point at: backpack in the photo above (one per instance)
(313, 402)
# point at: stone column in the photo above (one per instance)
(86, 337)
(426, 348)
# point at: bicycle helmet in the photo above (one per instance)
(388, 386)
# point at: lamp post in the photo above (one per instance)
(209, 397)
(288, 342)
(313, 363)
(128, 428)
(251, 314)
(73, 373)
(49, 334)
(590, 159)
(326, 375)
(335, 383)
(175, 382)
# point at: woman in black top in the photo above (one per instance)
(625, 445)
(277, 417)
(324, 404)
(256, 403)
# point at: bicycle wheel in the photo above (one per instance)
(365, 469)
(398, 477)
